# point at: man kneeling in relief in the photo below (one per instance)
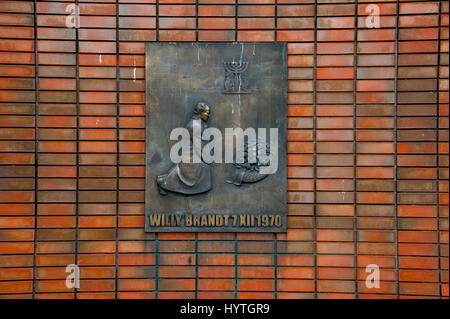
(190, 176)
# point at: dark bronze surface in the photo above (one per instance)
(244, 84)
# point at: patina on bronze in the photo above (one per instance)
(224, 85)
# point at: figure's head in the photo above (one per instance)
(202, 111)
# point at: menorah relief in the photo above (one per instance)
(236, 81)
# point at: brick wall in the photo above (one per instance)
(367, 162)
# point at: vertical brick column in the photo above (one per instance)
(443, 175)
(418, 247)
(216, 20)
(216, 271)
(334, 164)
(176, 19)
(97, 149)
(253, 20)
(17, 148)
(375, 158)
(295, 249)
(136, 259)
(56, 161)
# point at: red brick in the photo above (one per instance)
(214, 10)
(335, 73)
(256, 23)
(136, 284)
(177, 10)
(219, 35)
(136, 259)
(295, 10)
(216, 23)
(418, 34)
(137, 10)
(335, 35)
(251, 36)
(16, 287)
(177, 23)
(216, 284)
(295, 285)
(215, 295)
(212, 272)
(297, 35)
(137, 22)
(421, 7)
(176, 284)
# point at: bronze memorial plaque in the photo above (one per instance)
(216, 137)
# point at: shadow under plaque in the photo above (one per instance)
(220, 85)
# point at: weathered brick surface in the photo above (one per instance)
(367, 143)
